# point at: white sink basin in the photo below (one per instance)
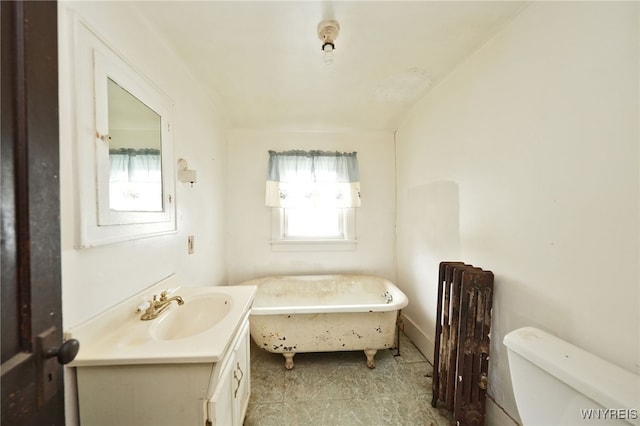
(197, 331)
(195, 316)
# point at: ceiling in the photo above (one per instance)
(262, 62)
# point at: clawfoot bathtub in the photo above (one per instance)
(325, 313)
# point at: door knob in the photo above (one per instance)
(65, 353)
(48, 370)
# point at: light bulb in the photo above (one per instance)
(327, 50)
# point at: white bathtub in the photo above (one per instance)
(325, 313)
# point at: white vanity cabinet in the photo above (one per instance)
(197, 394)
(131, 374)
(228, 405)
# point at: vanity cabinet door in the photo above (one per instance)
(241, 376)
(230, 399)
(221, 404)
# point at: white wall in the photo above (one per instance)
(249, 220)
(524, 161)
(94, 279)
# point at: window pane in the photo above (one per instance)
(313, 222)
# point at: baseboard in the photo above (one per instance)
(496, 416)
(423, 342)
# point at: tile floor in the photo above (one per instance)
(338, 389)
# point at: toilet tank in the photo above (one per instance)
(557, 383)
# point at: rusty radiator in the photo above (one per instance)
(461, 353)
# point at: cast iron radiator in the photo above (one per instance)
(461, 354)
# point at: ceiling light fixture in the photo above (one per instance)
(328, 33)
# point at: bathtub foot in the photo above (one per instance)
(370, 353)
(288, 360)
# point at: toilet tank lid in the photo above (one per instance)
(604, 382)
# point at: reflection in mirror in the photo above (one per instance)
(135, 176)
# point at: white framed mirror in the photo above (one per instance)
(124, 147)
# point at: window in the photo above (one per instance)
(313, 195)
(313, 229)
(313, 223)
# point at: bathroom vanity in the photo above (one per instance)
(187, 366)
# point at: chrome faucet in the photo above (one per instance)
(158, 306)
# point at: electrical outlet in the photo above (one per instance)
(190, 244)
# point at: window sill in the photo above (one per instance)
(313, 245)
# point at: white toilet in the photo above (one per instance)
(557, 383)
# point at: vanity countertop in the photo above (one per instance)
(119, 337)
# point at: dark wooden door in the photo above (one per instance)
(32, 382)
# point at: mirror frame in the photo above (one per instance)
(95, 62)
(107, 68)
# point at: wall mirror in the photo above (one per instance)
(135, 148)
(125, 147)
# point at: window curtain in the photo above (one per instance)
(313, 179)
(135, 179)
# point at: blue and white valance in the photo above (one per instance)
(313, 179)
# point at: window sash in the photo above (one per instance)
(279, 242)
(299, 223)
